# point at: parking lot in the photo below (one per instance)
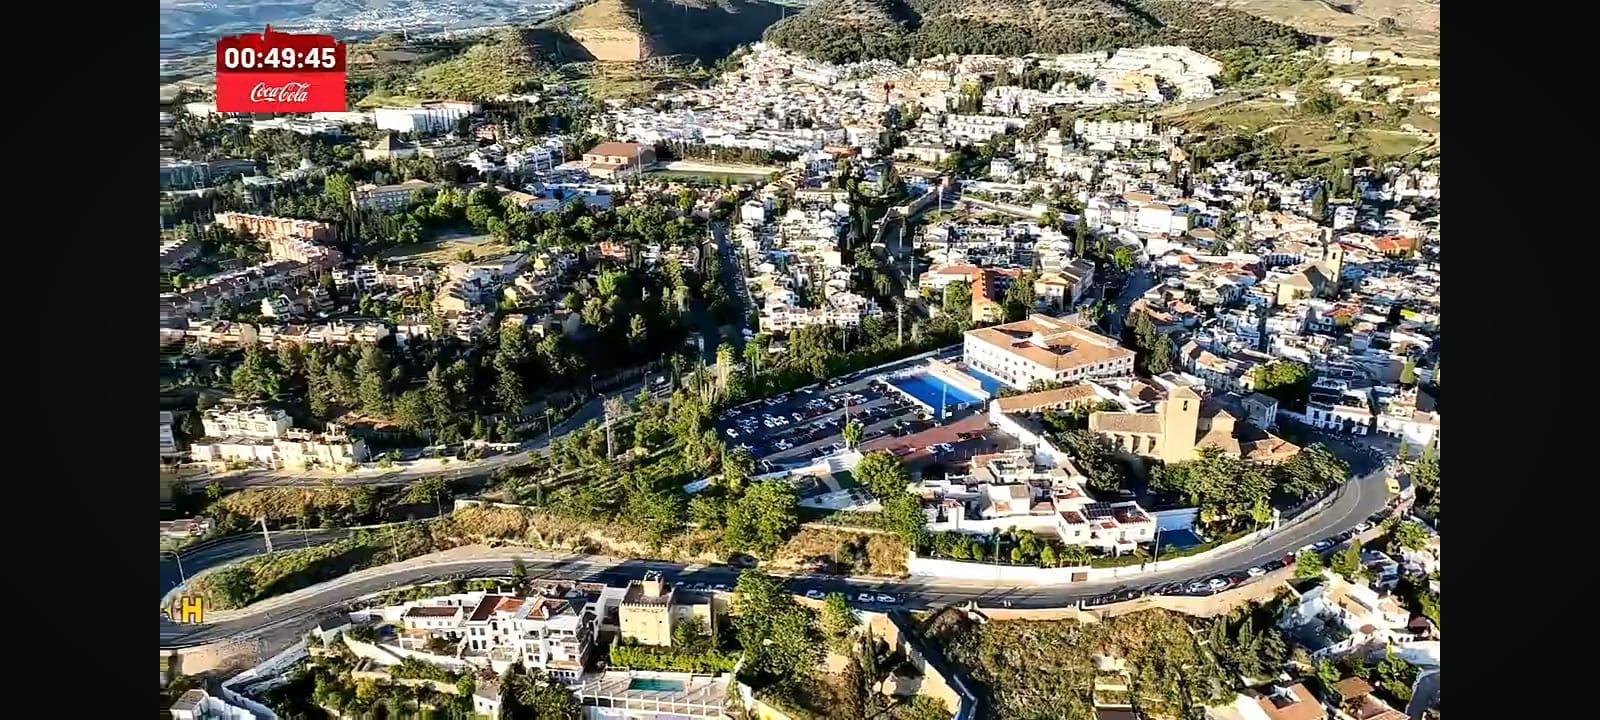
(806, 424)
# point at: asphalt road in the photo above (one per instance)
(1139, 281)
(210, 554)
(1362, 497)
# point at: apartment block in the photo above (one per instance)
(1044, 349)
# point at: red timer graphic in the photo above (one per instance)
(280, 73)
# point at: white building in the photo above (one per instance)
(245, 422)
(426, 118)
(1044, 349)
(494, 631)
(197, 704)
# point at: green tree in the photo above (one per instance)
(852, 432)
(882, 474)
(1347, 562)
(1019, 299)
(925, 707)
(958, 300)
(519, 572)
(1308, 564)
(1287, 380)
(779, 635)
(1408, 374)
(1261, 512)
(372, 374)
(530, 694)
(259, 377)
(838, 619)
(1123, 258)
(762, 518)
(738, 465)
(689, 636)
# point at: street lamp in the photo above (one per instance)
(181, 577)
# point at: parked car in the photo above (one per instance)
(1275, 565)
(1218, 583)
(1363, 527)
(864, 597)
(1321, 545)
(886, 599)
(1256, 572)
(816, 594)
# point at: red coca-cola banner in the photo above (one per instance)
(276, 72)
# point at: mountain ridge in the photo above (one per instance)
(851, 30)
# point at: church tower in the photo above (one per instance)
(1180, 424)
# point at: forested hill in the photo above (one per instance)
(851, 30)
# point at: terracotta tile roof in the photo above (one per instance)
(1304, 706)
(1059, 397)
(1061, 346)
(1115, 422)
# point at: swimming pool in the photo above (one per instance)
(655, 685)
(928, 390)
(990, 383)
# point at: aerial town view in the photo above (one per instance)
(821, 360)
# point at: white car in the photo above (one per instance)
(864, 597)
(732, 433)
(1255, 572)
(815, 594)
(886, 599)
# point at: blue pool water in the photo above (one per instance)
(928, 389)
(655, 685)
(990, 383)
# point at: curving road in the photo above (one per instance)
(1361, 497)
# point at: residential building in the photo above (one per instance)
(429, 117)
(387, 198)
(169, 444)
(267, 227)
(197, 704)
(1044, 349)
(610, 159)
(446, 150)
(296, 449)
(245, 422)
(1293, 702)
(177, 251)
(1337, 617)
(556, 635)
(1356, 702)
(1114, 130)
(650, 610)
(1182, 423)
(388, 147)
(1036, 490)
(491, 630)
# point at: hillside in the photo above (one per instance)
(849, 30)
(1360, 23)
(632, 30)
(505, 62)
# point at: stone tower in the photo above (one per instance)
(1180, 424)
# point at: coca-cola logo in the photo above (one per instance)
(294, 92)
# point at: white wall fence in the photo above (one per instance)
(273, 666)
(917, 566)
(1028, 436)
